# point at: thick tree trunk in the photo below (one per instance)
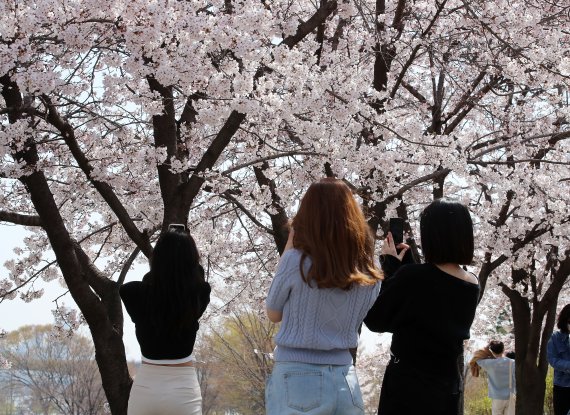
(102, 312)
(111, 360)
(96, 296)
(530, 388)
(530, 370)
(533, 328)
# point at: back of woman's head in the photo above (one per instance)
(447, 233)
(330, 228)
(175, 255)
(496, 346)
(564, 319)
(175, 277)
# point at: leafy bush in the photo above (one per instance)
(476, 400)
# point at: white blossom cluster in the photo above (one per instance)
(497, 73)
(66, 321)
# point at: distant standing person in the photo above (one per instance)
(558, 355)
(165, 307)
(500, 378)
(325, 283)
(429, 309)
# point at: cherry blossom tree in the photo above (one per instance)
(114, 114)
(119, 118)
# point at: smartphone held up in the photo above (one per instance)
(397, 230)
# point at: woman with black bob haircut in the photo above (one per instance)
(429, 308)
(165, 307)
(447, 233)
(558, 356)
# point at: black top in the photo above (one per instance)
(159, 344)
(429, 313)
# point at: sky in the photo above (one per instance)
(16, 313)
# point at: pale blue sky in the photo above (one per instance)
(16, 313)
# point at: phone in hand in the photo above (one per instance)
(397, 230)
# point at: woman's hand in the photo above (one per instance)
(388, 248)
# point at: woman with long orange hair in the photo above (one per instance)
(325, 283)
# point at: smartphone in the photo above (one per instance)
(397, 230)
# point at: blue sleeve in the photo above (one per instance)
(485, 363)
(553, 355)
(283, 280)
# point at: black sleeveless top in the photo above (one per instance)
(159, 344)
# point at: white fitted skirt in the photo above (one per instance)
(165, 390)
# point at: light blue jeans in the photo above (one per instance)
(303, 388)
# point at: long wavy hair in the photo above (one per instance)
(331, 229)
(175, 280)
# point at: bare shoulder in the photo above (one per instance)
(469, 277)
(457, 272)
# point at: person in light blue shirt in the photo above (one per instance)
(501, 378)
(558, 355)
(325, 283)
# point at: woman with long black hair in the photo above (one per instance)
(165, 307)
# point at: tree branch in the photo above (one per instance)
(404, 70)
(191, 188)
(399, 15)
(104, 189)
(228, 196)
(314, 21)
(34, 275)
(20, 219)
(278, 220)
(131, 259)
(470, 103)
(95, 278)
(165, 132)
(398, 24)
(272, 157)
(127, 266)
(414, 92)
(506, 142)
(510, 162)
(379, 207)
(466, 95)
